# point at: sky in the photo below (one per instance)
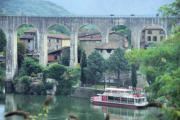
(116, 7)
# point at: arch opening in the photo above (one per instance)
(119, 36)
(89, 37)
(27, 43)
(151, 34)
(58, 44)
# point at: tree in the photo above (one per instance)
(95, 67)
(65, 60)
(21, 52)
(83, 64)
(134, 75)
(30, 66)
(172, 9)
(56, 71)
(117, 62)
(2, 40)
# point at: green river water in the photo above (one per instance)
(62, 106)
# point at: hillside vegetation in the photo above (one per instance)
(31, 8)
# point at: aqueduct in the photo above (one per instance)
(10, 24)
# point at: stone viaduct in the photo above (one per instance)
(10, 25)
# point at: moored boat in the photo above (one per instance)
(121, 97)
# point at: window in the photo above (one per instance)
(109, 51)
(56, 47)
(149, 38)
(101, 51)
(161, 32)
(162, 37)
(29, 40)
(57, 40)
(49, 40)
(154, 38)
(149, 31)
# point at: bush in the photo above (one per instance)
(30, 66)
(55, 71)
(38, 89)
(49, 85)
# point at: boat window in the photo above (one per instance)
(130, 101)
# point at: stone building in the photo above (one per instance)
(57, 41)
(107, 49)
(88, 40)
(151, 34)
(122, 40)
(30, 40)
(57, 55)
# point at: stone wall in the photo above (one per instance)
(83, 92)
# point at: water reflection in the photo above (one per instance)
(62, 106)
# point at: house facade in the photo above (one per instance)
(57, 41)
(152, 34)
(30, 40)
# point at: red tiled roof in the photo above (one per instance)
(51, 58)
(105, 46)
(60, 36)
(26, 37)
(31, 31)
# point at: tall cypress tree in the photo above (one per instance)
(134, 75)
(83, 64)
(2, 40)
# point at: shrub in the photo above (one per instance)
(49, 85)
(30, 66)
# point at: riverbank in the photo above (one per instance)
(85, 92)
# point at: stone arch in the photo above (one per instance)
(28, 34)
(57, 38)
(121, 35)
(150, 34)
(54, 24)
(89, 36)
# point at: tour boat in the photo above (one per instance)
(121, 97)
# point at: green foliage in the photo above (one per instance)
(65, 60)
(56, 71)
(58, 29)
(30, 66)
(161, 64)
(80, 49)
(70, 78)
(172, 9)
(117, 62)
(31, 8)
(66, 77)
(2, 41)
(73, 74)
(88, 27)
(21, 52)
(83, 64)
(134, 75)
(95, 67)
(24, 28)
(2, 78)
(38, 89)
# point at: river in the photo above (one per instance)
(62, 106)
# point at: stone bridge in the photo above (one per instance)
(10, 25)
